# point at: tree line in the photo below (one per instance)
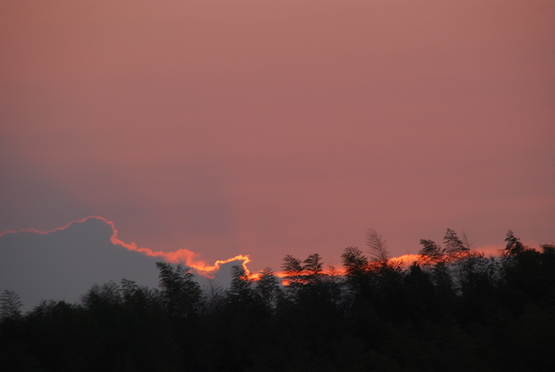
(453, 309)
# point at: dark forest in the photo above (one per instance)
(454, 309)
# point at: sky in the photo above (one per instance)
(267, 128)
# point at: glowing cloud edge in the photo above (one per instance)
(183, 256)
(191, 259)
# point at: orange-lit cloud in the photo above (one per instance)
(406, 259)
(182, 256)
(192, 259)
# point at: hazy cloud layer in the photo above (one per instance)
(65, 263)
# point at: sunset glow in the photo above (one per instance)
(181, 256)
(253, 185)
(193, 260)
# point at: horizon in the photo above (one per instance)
(68, 261)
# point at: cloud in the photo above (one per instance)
(62, 264)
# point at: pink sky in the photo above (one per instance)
(279, 127)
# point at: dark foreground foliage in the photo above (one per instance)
(452, 310)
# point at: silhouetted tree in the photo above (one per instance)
(452, 243)
(474, 277)
(214, 296)
(294, 275)
(99, 298)
(419, 293)
(292, 266)
(64, 336)
(10, 305)
(548, 263)
(357, 280)
(313, 268)
(430, 250)
(180, 294)
(514, 246)
(467, 243)
(499, 313)
(182, 298)
(443, 283)
(267, 287)
(354, 261)
(241, 285)
(377, 245)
